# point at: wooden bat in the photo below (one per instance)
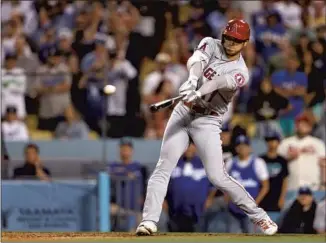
(165, 103)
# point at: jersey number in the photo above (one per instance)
(209, 74)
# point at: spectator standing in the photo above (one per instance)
(304, 153)
(13, 82)
(29, 62)
(316, 78)
(73, 127)
(251, 172)
(267, 106)
(53, 86)
(291, 14)
(299, 218)
(320, 215)
(270, 36)
(258, 18)
(33, 168)
(292, 85)
(95, 66)
(120, 74)
(13, 129)
(65, 39)
(185, 209)
(278, 175)
(160, 84)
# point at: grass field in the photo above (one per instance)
(161, 237)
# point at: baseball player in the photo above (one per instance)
(216, 71)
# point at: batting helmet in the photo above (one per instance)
(238, 29)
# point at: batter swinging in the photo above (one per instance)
(218, 70)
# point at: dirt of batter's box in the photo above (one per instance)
(70, 235)
(55, 235)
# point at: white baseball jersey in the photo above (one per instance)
(13, 89)
(217, 64)
(305, 170)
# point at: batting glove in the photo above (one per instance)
(190, 84)
(191, 96)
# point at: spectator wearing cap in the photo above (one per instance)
(292, 85)
(184, 209)
(65, 39)
(320, 215)
(128, 186)
(13, 86)
(94, 67)
(258, 18)
(158, 85)
(267, 106)
(305, 154)
(317, 15)
(12, 128)
(73, 127)
(271, 36)
(121, 73)
(53, 87)
(299, 217)
(251, 172)
(278, 174)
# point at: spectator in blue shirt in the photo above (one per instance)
(126, 186)
(270, 36)
(292, 85)
(184, 207)
(251, 172)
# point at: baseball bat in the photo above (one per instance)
(165, 103)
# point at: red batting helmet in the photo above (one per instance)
(238, 29)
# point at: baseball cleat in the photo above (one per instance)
(267, 226)
(146, 228)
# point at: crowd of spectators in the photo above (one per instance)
(58, 55)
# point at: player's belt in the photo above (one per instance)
(200, 110)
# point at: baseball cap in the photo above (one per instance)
(303, 117)
(272, 135)
(304, 190)
(65, 33)
(101, 38)
(242, 139)
(54, 51)
(126, 141)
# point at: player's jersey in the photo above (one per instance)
(217, 64)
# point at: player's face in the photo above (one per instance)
(232, 46)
